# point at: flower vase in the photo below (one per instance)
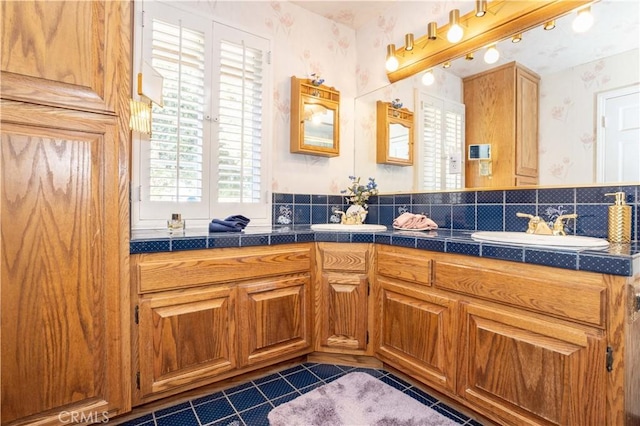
(358, 213)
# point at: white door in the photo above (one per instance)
(619, 136)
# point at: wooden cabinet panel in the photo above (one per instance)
(530, 371)
(579, 296)
(61, 53)
(274, 318)
(342, 298)
(527, 125)
(164, 271)
(416, 331)
(344, 311)
(60, 280)
(185, 336)
(404, 264)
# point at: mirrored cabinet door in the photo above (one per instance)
(315, 118)
(394, 135)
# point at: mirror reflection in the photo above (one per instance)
(576, 79)
(398, 141)
(318, 125)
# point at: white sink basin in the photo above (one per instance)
(571, 242)
(338, 227)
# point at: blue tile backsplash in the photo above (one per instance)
(485, 210)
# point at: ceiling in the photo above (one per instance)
(616, 30)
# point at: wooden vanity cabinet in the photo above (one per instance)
(502, 110)
(343, 314)
(206, 315)
(415, 324)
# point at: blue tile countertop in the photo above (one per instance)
(616, 260)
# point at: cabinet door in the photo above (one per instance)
(416, 332)
(185, 337)
(527, 370)
(527, 125)
(343, 307)
(274, 318)
(65, 53)
(61, 329)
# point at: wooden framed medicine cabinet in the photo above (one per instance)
(394, 135)
(315, 118)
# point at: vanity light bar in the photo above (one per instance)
(503, 19)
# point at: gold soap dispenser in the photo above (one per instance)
(619, 219)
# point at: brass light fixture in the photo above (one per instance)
(502, 20)
(446, 64)
(469, 57)
(455, 32)
(408, 42)
(432, 30)
(391, 63)
(481, 8)
(516, 38)
(549, 25)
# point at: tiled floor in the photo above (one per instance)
(248, 404)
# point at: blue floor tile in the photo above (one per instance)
(250, 403)
(246, 399)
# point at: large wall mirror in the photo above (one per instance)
(576, 70)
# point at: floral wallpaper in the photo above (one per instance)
(568, 116)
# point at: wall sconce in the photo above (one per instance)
(140, 119)
(583, 21)
(428, 78)
(391, 64)
(516, 38)
(549, 25)
(481, 8)
(492, 55)
(432, 30)
(408, 42)
(455, 32)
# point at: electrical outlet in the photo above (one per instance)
(454, 164)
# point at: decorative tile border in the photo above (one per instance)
(485, 210)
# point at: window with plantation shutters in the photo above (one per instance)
(206, 156)
(441, 133)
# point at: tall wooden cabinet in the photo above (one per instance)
(502, 110)
(64, 89)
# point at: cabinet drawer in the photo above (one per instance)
(163, 271)
(344, 257)
(565, 294)
(404, 264)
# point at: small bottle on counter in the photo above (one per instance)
(619, 219)
(176, 224)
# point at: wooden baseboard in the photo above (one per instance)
(344, 359)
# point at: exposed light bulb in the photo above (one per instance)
(428, 78)
(391, 64)
(583, 21)
(455, 32)
(492, 55)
